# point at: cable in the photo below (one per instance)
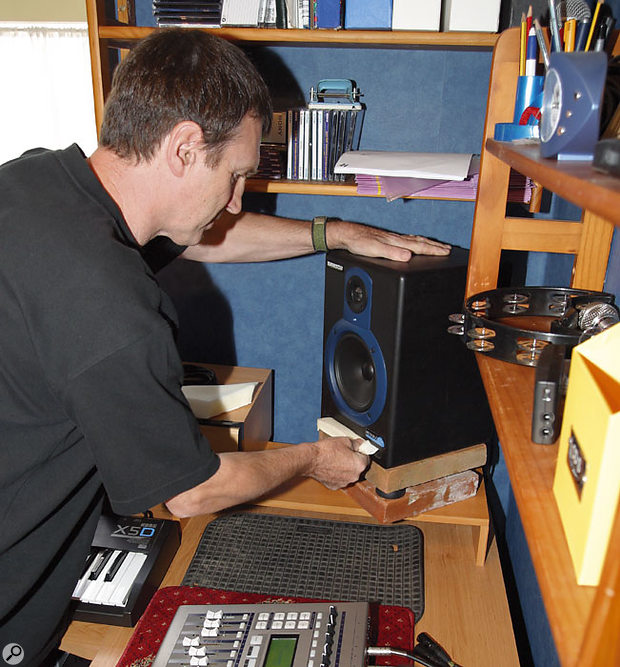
(385, 651)
(434, 650)
(428, 652)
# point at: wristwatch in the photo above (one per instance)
(319, 239)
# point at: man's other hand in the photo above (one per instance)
(372, 242)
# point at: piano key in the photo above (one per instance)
(161, 540)
(135, 562)
(92, 554)
(94, 586)
(83, 581)
(109, 589)
(118, 561)
(104, 557)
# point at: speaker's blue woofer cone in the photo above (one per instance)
(356, 372)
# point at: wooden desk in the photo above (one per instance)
(465, 607)
(299, 495)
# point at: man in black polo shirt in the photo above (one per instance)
(90, 379)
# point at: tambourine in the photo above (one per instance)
(515, 324)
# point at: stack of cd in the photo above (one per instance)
(187, 13)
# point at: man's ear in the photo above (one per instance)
(183, 146)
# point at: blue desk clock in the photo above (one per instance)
(571, 104)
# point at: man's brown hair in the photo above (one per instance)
(174, 75)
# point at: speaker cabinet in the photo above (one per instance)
(391, 371)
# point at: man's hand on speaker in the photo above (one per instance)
(337, 462)
(372, 242)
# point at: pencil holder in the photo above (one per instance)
(527, 105)
(529, 95)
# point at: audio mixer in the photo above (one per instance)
(319, 634)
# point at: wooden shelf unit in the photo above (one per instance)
(585, 620)
(105, 34)
(348, 189)
(355, 38)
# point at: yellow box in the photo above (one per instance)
(587, 475)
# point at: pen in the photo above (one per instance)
(542, 44)
(580, 12)
(532, 54)
(582, 33)
(601, 37)
(569, 34)
(610, 22)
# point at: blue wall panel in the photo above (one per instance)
(417, 100)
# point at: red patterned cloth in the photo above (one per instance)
(390, 625)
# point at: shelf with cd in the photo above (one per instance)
(107, 34)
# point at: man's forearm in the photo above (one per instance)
(243, 476)
(252, 237)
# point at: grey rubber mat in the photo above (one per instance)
(313, 558)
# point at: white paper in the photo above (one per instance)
(439, 166)
(334, 429)
(208, 400)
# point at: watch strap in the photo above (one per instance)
(319, 238)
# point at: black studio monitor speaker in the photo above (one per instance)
(391, 371)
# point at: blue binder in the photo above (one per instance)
(368, 15)
(328, 13)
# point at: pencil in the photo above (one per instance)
(523, 51)
(593, 24)
(542, 42)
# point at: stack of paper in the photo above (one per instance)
(438, 166)
(209, 400)
(394, 187)
(519, 188)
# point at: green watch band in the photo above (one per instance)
(319, 239)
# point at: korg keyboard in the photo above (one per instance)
(127, 561)
(317, 634)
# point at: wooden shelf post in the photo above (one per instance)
(493, 231)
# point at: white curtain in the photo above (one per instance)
(46, 96)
